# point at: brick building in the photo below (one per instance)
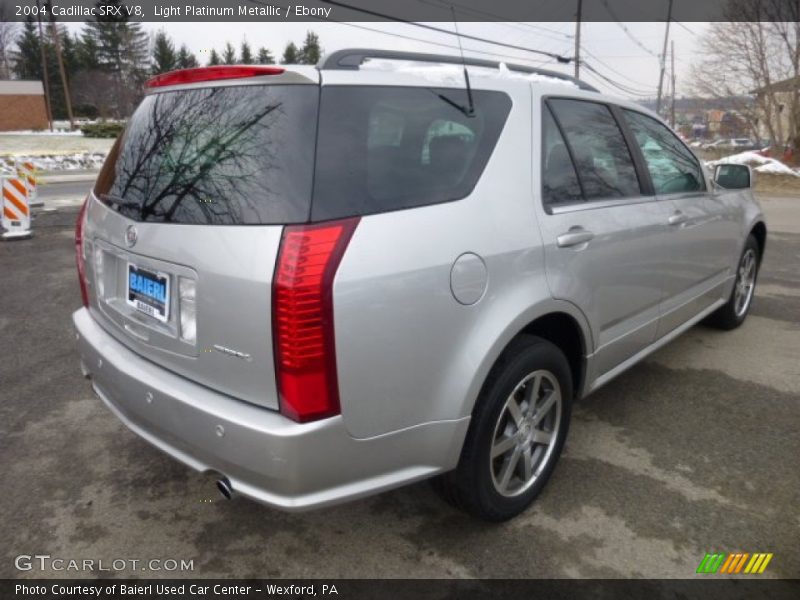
(22, 105)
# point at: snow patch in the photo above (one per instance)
(760, 164)
(454, 74)
(77, 161)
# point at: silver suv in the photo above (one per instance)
(322, 283)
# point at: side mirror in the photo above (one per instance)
(733, 177)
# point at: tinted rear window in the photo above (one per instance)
(221, 155)
(245, 154)
(387, 148)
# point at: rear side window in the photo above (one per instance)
(602, 157)
(381, 149)
(672, 166)
(221, 155)
(559, 179)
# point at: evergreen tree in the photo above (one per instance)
(27, 56)
(311, 51)
(291, 56)
(265, 57)
(186, 60)
(246, 57)
(87, 52)
(164, 57)
(122, 51)
(214, 58)
(229, 54)
(70, 52)
(58, 103)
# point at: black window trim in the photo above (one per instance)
(671, 195)
(640, 167)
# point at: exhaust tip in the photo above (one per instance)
(224, 487)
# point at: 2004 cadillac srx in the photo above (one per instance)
(321, 283)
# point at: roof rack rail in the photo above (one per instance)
(350, 59)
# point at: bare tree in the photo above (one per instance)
(8, 35)
(744, 57)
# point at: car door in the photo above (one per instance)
(603, 231)
(703, 227)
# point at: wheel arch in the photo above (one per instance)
(557, 321)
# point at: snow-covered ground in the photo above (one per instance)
(760, 164)
(73, 161)
(53, 151)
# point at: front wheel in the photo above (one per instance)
(516, 434)
(733, 313)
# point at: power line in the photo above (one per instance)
(441, 44)
(627, 31)
(620, 86)
(612, 69)
(444, 4)
(558, 57)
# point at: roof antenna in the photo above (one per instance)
(470, 112)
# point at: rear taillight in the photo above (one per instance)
(80, 255)
(302, 318)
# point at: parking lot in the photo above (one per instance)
(693, 451)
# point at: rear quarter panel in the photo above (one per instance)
(407, 351)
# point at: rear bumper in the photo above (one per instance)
(266, 456)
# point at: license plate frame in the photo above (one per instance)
(145, 298)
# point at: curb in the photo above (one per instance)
(67, 178)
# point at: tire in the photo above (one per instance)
(485, 486)
(734, 311)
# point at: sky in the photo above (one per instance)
(626, 53)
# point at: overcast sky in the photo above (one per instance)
(629, 58)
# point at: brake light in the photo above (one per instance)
(79, 254)
(211, 74)
(302, 318)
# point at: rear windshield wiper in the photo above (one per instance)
(117, 200)
(464, 110)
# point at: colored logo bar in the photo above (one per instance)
(734, 563)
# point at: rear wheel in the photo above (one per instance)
(516, 434)
(733, 313)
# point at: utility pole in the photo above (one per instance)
(672, 110)
(577, 58)
(663, 59)
(64, 84)
(44, 69)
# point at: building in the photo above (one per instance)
(785, 94)
(22, 105)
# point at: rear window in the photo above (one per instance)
(220, 155)
(388, 148)
(246, 154)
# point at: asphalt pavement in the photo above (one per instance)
(694, 450)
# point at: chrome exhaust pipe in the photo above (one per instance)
(224, 487)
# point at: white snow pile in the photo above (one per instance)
(454, 74)
(58, 162)
(760, 164)
(58, 132)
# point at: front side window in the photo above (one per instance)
(673, 168)
(602, 158)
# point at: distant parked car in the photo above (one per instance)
(732, 144)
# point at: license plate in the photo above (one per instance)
(148, 292)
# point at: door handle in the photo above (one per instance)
(574, 237)
(678, 218)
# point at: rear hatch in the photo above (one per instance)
(184, 225)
